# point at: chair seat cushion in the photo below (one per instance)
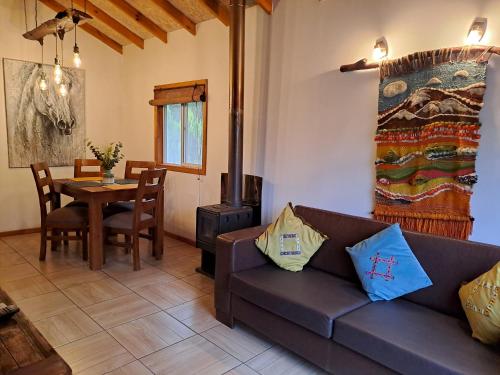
(77, 203)
(118, 207)
(311, 298)
(124, 220)
(413, 339)
(68, 217)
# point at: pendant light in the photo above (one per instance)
(63, 89)
(42, 84)
(57, 67)
(77, 61)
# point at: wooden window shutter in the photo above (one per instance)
(178, 93)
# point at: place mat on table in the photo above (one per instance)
(94, 183)
(120, 186)
(79, 179)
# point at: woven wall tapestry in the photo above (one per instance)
(427, 139)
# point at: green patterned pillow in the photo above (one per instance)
(289, 241)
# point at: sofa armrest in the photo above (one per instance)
(236, 251)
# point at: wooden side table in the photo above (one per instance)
(23, 350)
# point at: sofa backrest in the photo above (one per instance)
(448, 262)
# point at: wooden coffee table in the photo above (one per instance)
(23, 350)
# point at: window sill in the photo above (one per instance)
(184, 169)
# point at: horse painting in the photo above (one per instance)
(43, 125)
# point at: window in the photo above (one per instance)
(181, 126)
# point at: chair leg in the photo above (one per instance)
(43, 244)
(128, 239)
(85, 246)
(65, 240)
(135, 252)
(54, 243)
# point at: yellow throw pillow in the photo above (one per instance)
(481, 303)
(289, 241)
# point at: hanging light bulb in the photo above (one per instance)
(63, 89)
(77, 61)
(57, 71)
(43, 81)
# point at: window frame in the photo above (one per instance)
(159, 131)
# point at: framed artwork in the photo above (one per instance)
(43, 125)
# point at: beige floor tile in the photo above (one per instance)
(87, 294)
(120, 310)
(133, 368)
(10, 258)
(166, 295)
(182, 268)
(53, 264)
(19, 271)
(202, 282)
(28, 287)
(4, 246)
(149, 334)
(45, 305)
(121, 269)
(240, 341)
(198, 314)
(278, 361)
(66, 327)
(96, 354)
(136, 279)
(194, 355)
(242, 370)
(172, 242)
(74, 276)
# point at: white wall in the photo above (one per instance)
(319, 148)
(187, 58)
(18, 201)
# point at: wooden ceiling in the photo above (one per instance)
(118, 23)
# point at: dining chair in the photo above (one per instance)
(80, 172)
(133, 169)
(144, 216)
(59, 221)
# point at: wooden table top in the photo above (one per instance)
(23, 350)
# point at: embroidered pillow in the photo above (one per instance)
(386, 265)
(481, 303)
(289, 241)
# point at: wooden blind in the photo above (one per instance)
(178, 93)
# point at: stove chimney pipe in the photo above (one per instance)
(236, 100)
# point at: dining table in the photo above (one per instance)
(97, 195)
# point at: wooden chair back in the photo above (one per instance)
(79, 172)
(131, 167)
(149, 194)
(44, 187)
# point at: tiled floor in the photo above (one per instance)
(159, 320)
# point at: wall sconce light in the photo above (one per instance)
(477, 30)
(380, 49)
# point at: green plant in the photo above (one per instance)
(109, 155)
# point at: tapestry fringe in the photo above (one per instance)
(421, 60)
(459, 229)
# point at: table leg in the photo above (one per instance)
(159, 232)
(95, 235)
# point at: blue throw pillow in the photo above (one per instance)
(386, 265)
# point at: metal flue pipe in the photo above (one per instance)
(236, 100)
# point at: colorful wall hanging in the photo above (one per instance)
(427, 139)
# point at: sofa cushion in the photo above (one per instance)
(413, 339)
(386, 266)
(289, 241)
(311, 298)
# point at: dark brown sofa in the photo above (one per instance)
(323, 315)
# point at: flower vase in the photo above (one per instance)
(108, 177)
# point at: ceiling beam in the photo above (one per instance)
(141, 19)
(267, 5)
(177, 15)
(218, 10)
(56, 7)
(102, 16)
